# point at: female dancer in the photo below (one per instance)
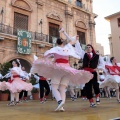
(90, 62)
(16, 85)
(112, 78)
(60, 71)
(25, 78)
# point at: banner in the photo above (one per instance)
(24, 42)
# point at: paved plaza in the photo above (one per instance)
(77, 110)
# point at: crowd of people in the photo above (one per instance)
(63, 76)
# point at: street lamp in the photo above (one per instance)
(92, 23)
(41, 22)
(2, 11)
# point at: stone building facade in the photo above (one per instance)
(114, 37)
(43, 19)
(100, 49)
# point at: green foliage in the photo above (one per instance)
(4, 68)
(34, 90)
(33, 80)
(5, 91)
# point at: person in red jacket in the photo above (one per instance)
(90, 63)
(43, 85)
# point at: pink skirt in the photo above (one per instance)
(3, 86)
(110, 81)
(50, 70)
(18, 85)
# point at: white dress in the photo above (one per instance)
(16, 84)
(61, 67)
(112, 78)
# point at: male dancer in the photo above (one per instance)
(90, 63)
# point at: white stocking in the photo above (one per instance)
(62, 92)
(76, 93)
(72, 92)
(12, 96)
(55, 92)
(17, 97)
(106, 92)
(117, 94)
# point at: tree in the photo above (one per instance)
(4, 68)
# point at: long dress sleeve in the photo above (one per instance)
(101, 64)
(78, 48)
(67, 36)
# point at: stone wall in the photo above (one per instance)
(60, 12)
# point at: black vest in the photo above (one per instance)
(90, 63)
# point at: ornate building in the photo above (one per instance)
(114, 37)
(42, 18)
(100, 49)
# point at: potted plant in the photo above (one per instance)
(35, 94)
(4, 68)
(4, 95)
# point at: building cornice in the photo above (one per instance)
(74, 6)
(112, 15)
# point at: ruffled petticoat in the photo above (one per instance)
(50, 70)
(3, 86)
(18, 85)
(110, 80)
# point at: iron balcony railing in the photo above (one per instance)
(13, 31)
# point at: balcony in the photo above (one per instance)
(13, 31)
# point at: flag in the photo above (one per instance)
(24, 42)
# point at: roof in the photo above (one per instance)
(112, 15)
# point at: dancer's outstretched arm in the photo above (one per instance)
(74, 41)
(66, 35)
(101, 63)
(79, 49)
(19, 63)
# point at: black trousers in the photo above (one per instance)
(44, 84)
(92, 84)
(83, 93)
(21, 94)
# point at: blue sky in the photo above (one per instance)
(104, 8)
